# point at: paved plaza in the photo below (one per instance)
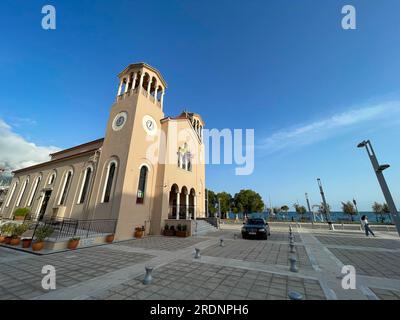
(239, 270)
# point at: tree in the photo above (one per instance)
(349, 208)
(277, 210)
(285, 208)
(212, 201)
(248, 201)
(225, 200)
(301, 210)
(377, 208)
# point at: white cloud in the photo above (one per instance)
(309, 133)
(16, 152)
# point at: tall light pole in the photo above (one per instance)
(325, 209)
(309, 209)
(382, 182)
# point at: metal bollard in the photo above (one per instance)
(293, 295)
(291, 237)
(221, 242)
(292, 250)
(197, 253)
(148, 278)
(293, 267)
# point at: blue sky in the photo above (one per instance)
(310, 89)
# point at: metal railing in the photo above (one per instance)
(67, 228)
(181, 210)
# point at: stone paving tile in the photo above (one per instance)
(22, 278)
(162, 243)
(275, 235)
(371, 263)
(384, 294)
(360, 242)
(199, 281)
(7, 253)
(258, 251)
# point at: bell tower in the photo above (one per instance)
(125, 181)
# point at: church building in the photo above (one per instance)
(147, 171)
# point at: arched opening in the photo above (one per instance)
(142, 184)
(65, 188)
(173, 202)
(10, 196)
(52, 178)
(146, 82)
(22, 192)
(109, 182)
(85, 184)
(35, 187)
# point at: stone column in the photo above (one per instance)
(120, 87)
(128, 80)
(155, 92)
(162, 98)
(187, 206)
(194, 207)
(149, 85)
(141, 81)
(178, 198)
(134, 80)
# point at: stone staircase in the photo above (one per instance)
(203, 227)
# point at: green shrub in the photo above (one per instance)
(179, 227)
(184, 227)
(19, 230)
(166, 227)
(43, 232)
(21, 212)
(7, 229)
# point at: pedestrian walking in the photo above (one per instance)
(365, 225)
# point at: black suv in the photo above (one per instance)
(257, 228)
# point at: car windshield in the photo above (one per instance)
(255, 221)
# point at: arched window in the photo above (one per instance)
(142, 185)
(65, 189)
(22, 192)
(11, 193)
(85, 185)
(109, 182)
(34, 190)
(52, 178)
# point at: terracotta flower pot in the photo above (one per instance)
(181, 234)
(72, 244)
(169, 233)
(7, 240)
(2, 239)
(15, 241)
(26, 243)
(138, 234)
(37, 246)
(19, 218)
(110, 238)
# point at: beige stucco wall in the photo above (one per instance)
(73, 210)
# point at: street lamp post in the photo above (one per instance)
(325, 209)
(309, 209)
(382, 182)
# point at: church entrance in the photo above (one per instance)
(45, 202)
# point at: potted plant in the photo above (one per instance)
(73, 243)
(182, 231)
(16, 234)
(6, 230)
(169, 231)
(41, 234)
(139, 231)
(110, 238)
(26, 242)
(21, 213)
